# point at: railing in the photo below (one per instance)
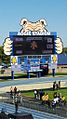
(35, 104)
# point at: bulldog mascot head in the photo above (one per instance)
(39, 26)
(32, 28)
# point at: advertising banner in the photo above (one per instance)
(53, 62)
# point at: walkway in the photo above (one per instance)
(29, 84)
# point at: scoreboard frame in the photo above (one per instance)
(33, 45)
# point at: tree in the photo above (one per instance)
(65, 50)
(4, 58)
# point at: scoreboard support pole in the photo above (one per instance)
(53, 72)
(38, 74)
(12, 74)
(28, 74)
(11, 34)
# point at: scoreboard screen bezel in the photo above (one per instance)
(33, 45)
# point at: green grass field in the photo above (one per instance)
(50, 93)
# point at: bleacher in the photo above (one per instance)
(33, 105)
(10, 108)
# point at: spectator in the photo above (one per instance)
(11, 91)
(56, 100)
(16, 103)
(3, 110)
(19, 98)
(54, 85)
(59, 96)
(45, 99)
(3, 114)
(15, 90)
(53, 104)
(63, 100)
(55, 94)
(59, 84)
(35, 93)
(41, 93)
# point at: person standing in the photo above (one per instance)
(15, 90)
(16, 103)
(41, 93)
(35, 93)
(11, 91)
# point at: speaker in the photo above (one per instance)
(22, 115)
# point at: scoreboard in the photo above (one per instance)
(33, 45)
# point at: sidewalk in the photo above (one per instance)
(28, 87)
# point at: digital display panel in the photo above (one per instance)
(33, 45)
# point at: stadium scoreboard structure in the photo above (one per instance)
(31, 48)
(32, 52)
(33, 45)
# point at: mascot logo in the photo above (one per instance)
(13, 60)
(36, 28)
(54, 59)
(34, 45)
(39, 26)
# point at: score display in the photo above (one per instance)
(33, 45)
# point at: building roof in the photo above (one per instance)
(62, 59)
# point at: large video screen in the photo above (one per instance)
(33, 45)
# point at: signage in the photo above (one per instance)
(14, 60)
(34, 68)
(53, 63)
(54, 59)
(14, 64)
(16, 67)
(33, 45)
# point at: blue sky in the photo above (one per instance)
(54, 11)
